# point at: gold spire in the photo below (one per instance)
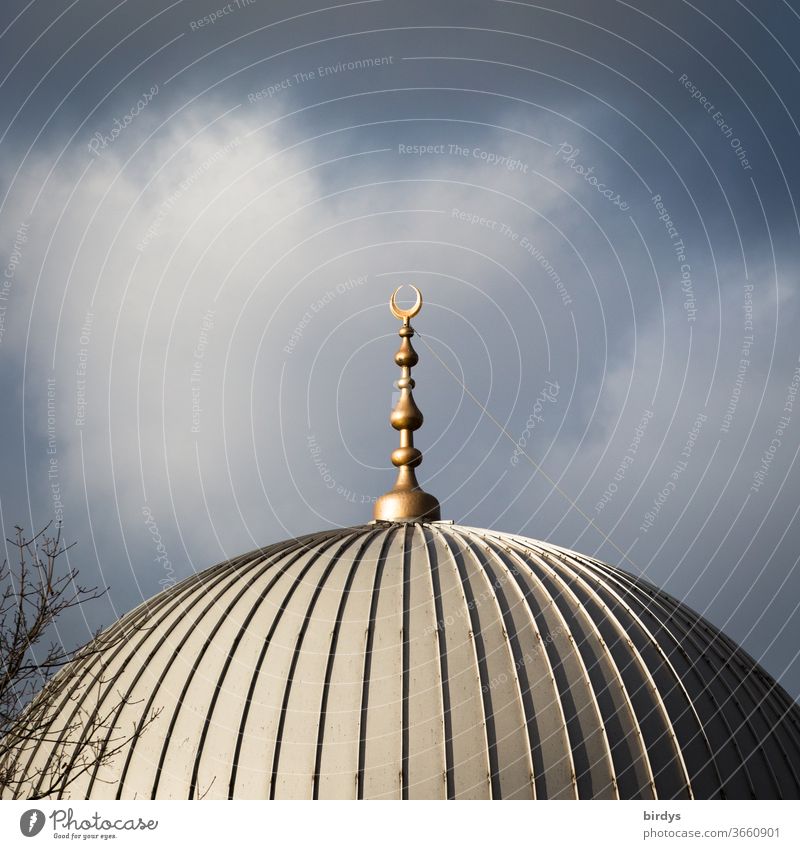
(406, 502)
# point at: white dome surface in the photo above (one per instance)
(419, 660)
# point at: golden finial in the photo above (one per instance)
(406, 502)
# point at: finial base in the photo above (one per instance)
(407, 505)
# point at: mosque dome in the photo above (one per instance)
(427, 660)
(415, 658)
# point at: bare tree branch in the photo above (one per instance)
(36, 718)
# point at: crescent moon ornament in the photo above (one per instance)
(405, 315)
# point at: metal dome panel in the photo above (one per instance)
(419, 660)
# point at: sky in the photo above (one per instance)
(205, 208)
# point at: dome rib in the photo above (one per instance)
(635, 775)
(607, 785)
(694, 628)
(609, 788)
(587, 596)
(583, 720)
(199, 590)
(424, 748)
(357, 562)
(784, 709)
(337, 757)
(243, 630)
(509, 613)
(292, 549)
(635, 587)
(428, 765)
(380, 754)
(665, 735)
(510, 783)
(477, 640)
(691, 633)
(96, 659)
(441, 644)
(263, 567)
(216, 589)
(296, 653)
(554, 751)
(519, 554)
(717, 676)
(487, 737)
(312, 555)
(405, 661)
(62, 690)
(368, 655)
(516, 660)
(575, 692)
(467, 744)
(741, 676)
(671, 699)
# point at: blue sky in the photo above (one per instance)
(202, 220)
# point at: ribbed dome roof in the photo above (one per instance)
(425, 660)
